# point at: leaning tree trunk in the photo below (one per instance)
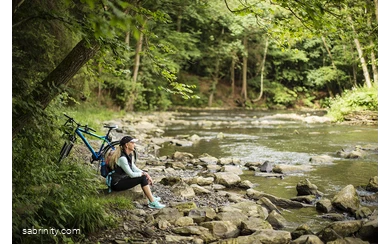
(363, 63)
(50, 87)
(361, 56)
(373, 64)
(373, 57)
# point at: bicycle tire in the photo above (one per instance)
(109, 149)
(65, 150)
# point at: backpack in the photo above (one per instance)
(109, 179)
(106, 171)
(104, 168)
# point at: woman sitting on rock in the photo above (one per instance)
(127, 175)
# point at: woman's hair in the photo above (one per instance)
(114, 157)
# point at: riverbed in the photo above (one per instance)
(282, 137)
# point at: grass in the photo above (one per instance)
(93, 116)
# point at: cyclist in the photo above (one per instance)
(127, 175)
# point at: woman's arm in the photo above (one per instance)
(135, 168)
(122, 162)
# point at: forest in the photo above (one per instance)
(129, 55)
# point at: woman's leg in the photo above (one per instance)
(148, 193)
(127, 183)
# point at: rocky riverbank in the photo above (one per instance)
(207, 202)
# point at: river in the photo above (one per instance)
(281, 137)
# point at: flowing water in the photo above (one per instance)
(281, 137)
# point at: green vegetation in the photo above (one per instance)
(356, 100)
(157, 55)
(100, 59)
(60, 196)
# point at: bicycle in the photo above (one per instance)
(74, 129)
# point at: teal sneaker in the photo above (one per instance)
(156, 198)
(156, 205)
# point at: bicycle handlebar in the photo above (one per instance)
(71, 120)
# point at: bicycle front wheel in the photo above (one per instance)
(66, 148)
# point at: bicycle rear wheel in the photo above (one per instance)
(109, 150)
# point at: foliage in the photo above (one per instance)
(52, 196)
(91, 210)
(190, 37)
(357, 99)
(197, 83)
(151, 97)
(305, 97)
(38, 51)
(60, 196)
(324, 75)
(281, 95)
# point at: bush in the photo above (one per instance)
(357, 99)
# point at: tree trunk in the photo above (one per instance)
(214, 83)
(373, 63)
(373, 57)
(232, 73)
(211, 96)
(244, 69)
(361, 56)
(137, 57)
(50, 87)
(376, 9)
(262, 71)
(133, 82)
(127, 38)
(16, 4)
(179, 19)
(363, 63)
(100, 85)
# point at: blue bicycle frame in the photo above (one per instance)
(83, 130)
(95, 155)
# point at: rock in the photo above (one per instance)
(372, 184)
(302, 230)
(277, 220)
(347, 199)
(322, 159)
(222, 229)
(324, 205)
(339, 229)
(266, 167)
(227, 179)
(307, 239)
(305, 187)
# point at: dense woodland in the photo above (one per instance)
(157, 55)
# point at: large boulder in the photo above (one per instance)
(347, 200)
